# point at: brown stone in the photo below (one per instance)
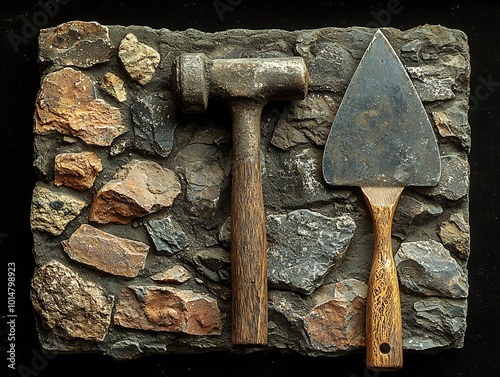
(137, 189)
(106, 252)
(176, 274)
(52, 210)
(66, 104)
(77, 170)
(69, 305)
(114, 86)
(337, 321)
(77, 43)
(167, 309)
(455, 235)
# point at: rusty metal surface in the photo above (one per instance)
(381, 135)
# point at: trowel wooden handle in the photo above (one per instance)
(248, 233)
(384, 343)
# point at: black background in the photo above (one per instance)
(19, 83)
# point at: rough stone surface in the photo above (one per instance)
(167, 235)
(303, 246)
(337, 320)
(166, 182)
(427, 268)
(137, 189)
(177, 274)
(69, 305)
(114, 86)
(167, 309)
(75, 43)
(154, 118)
(52, 210)
(455, 235)
(77, 170)
(139, 60)
(106, 252)
(306, 121)
(66, 103)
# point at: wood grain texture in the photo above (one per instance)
(248, 232)
(384, 343)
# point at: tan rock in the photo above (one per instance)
(337, 321)
(52, 210)
(167, 309)
(66, 104)
(69, 305)
(455, 235)
(137, 189)
(114, 86)
(106, 252)
(176, 274)
(77, 170)
(139, 60)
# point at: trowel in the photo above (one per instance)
(382, 141)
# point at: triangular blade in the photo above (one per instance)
(381, 135)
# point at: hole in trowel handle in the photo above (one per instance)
(385, 348)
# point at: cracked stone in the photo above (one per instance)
(214, 263)
(76, 43)
(453, 123)
(154, 119)
(137, 189)
(167, 235)
(305, 121)
(139, 60)
(77, 170)
(69, 305)
(114, 86)
(106, 252)
(433, 83)
(304, 246)
(427, 268)
(52, 210)
(412, 210)
(207, 172)
(177, 274)
(337, 320)
(66, 104)
(455, 235)
(167, 309)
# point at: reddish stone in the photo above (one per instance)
(138, 188)
(337, 321)
(106, 252)
(77, 170)
(167, 309)
(66, 104)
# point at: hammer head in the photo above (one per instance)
(195, 78)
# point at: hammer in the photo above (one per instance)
(248, 84)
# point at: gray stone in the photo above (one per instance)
(52, 209)
(413, 210)
(452, 123)
(434, 323)
(167, 235)
(154, 119)
(69, 305)
(455, 179)
(125, 350)
(433, 83)
(206, 171)
(75, 43)
(214, 263)
(412, 49)
(306, 121)
(304, 246)
(427, 268)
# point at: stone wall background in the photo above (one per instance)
(130, 214)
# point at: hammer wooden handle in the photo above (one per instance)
(384, 343)
(248, 232)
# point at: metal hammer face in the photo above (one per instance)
(247, 84)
